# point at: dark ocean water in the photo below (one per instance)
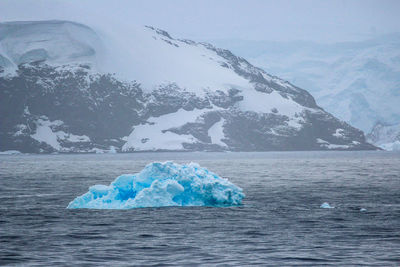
(279, 223)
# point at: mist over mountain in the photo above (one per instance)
(68, 88)
(358, 82)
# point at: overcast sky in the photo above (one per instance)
(322, 20)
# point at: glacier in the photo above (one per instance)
(160, 185)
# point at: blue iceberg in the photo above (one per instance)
(160, 185)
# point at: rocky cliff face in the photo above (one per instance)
(62, 89)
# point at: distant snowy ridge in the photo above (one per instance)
(65, 88)
(386, 137)
(359, 82)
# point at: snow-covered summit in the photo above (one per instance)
(145, 54)
(154, 58)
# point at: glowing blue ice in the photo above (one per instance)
(159, 185)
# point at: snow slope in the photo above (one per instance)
(159, 59)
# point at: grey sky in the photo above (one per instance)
(323, 20)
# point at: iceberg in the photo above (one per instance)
(160, 185)
(326, 205)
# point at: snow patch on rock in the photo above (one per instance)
(263, 103)
(331, 146)
(339, 133)
(216, 133)
(154, 134)
(45, 133)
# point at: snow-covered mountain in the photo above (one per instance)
(359, 82)
(65, 87)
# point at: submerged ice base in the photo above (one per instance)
(159, 185)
